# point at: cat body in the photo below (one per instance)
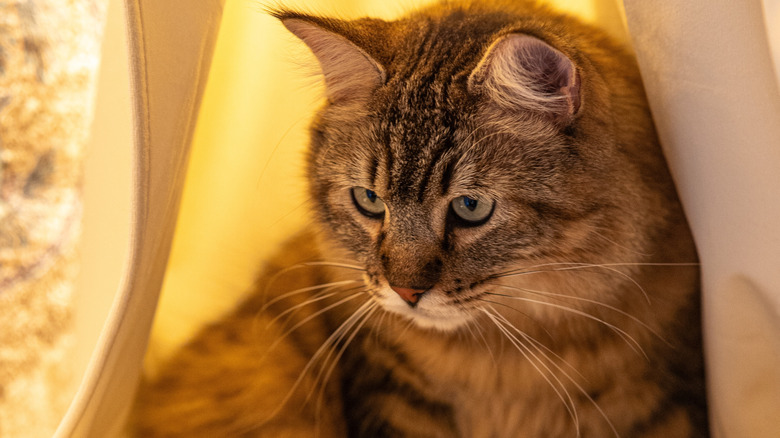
(500, 250)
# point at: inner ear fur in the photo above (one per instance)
(350, 73)
(521, 72)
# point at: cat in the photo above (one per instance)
(499, 250)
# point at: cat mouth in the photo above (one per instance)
(432, 311)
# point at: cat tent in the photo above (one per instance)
(714, 92)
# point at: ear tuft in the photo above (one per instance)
(521, 72)
(350, 73)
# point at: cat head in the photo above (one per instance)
(457, 144)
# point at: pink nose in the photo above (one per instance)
(411, 296)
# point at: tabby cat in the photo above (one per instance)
(498, 252)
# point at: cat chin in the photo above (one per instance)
(441, 325)
(428, 315)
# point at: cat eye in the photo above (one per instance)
(472, 211)
(368, 203)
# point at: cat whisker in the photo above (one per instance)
(560, 389)
(476, 130)
(328, 286)
(273, 151)
(571, 266)
(525, 315)
(315, 297)
(334, 265)
(327, 344)
(476, 331)
(586, 300)
(476, 143)
(538, 346)
(379, 323)
(323, 295)
(302, 265)
(356, 322)
(633, 343)
(595, 228)
(494, 131)
(580, 265)
(358, 325)
(407, 325)
(322, 159)
(290, 212)
(311, 317)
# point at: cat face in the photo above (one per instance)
(442, 217)
(440, 166)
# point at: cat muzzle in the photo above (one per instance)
(411, 296)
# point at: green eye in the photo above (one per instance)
(368, 203)
(472, 211)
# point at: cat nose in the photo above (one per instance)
(411, 296)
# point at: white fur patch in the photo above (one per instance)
(431, 312)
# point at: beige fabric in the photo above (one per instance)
(171, 45)
(108, 163)
(709, 75)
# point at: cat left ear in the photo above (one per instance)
(350, 73)
(522, 72)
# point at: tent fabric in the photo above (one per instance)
(171, 45)
(708, 71)
(719, 130)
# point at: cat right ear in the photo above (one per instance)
(350, 73)
(520, 71)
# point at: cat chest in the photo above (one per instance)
(457, 394)
(512, 403)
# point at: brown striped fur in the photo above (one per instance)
(572, 310)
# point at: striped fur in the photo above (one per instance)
(571, 311)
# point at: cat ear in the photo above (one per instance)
(350, 73)
(523, 72)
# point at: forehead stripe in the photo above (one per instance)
(388, 161)
(372, 170)
(443, 146)
(446, 175)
